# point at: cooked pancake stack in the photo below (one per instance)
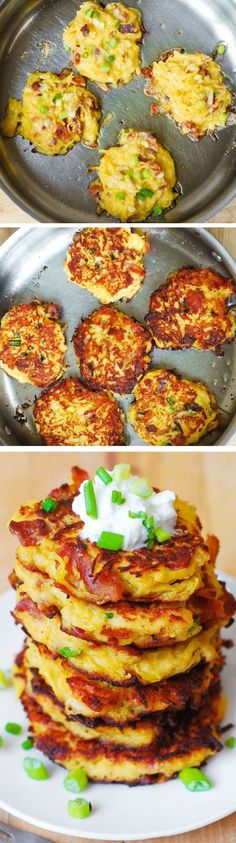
(120, 673)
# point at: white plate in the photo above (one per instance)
(119, 812)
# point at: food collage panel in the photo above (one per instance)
(117, 420)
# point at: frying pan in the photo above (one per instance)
(31, 265)
(55, 189)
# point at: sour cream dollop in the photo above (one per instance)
(115, 518)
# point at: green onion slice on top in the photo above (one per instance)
(27, 744)
(120, 472)
(230, 742)
(49, 505)
(110, 541)
(117, 497)
(104, 475)
(90, 499)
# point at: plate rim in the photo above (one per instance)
(230, 580)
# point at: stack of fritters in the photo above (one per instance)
(120, 673)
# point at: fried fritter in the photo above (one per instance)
(71, 414)
(94, 702)
(141, 734)
(112, 350)
(135, 178)
(103, 43)
(190, 310)
(169, 410)
(190, 88)
(32, 343)
(108, 262)
(192, 739)
(117, 665)
(51, 542)
(145, 625)
(56, 112)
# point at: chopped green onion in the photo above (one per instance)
(139, 486)
(110, 541)
(90, 499)
(117, 497)
(144, 192)
(111, 43)
(157, 210)
(15, 343)
(171, 401)
(1, 741)
(129, 174)
(120, 195)
(69, 653)
(4, 681)
(104, 475)
(27, 744)
(136, 514)
(111, 58)
(121, 471)
(57, 97)
(135, 160)
(118, 25)
(146, 174)
(94, 14)
(76, 781)
(35, 769)
(13, 728)
(193, 629)
(194, 779)
(231, 743)
(161, 535)
(49, 505)
(43, 109)
(79, 808)
(106, 65)
(221, 49)
(108, 615)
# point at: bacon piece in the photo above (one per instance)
(85, 29)
(29, 532)
(105, 585)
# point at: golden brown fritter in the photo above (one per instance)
(190, 310)
(112, 350)
(56, 112)
(71, 414)
(103, 43)
(32, 343)
(138, 734)
(122, 624)
(51, 542)
(108, 262)
(169, 410)
(117, 665)
(190, 739)
(95, 701)
(190, 88)
(135, 178)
